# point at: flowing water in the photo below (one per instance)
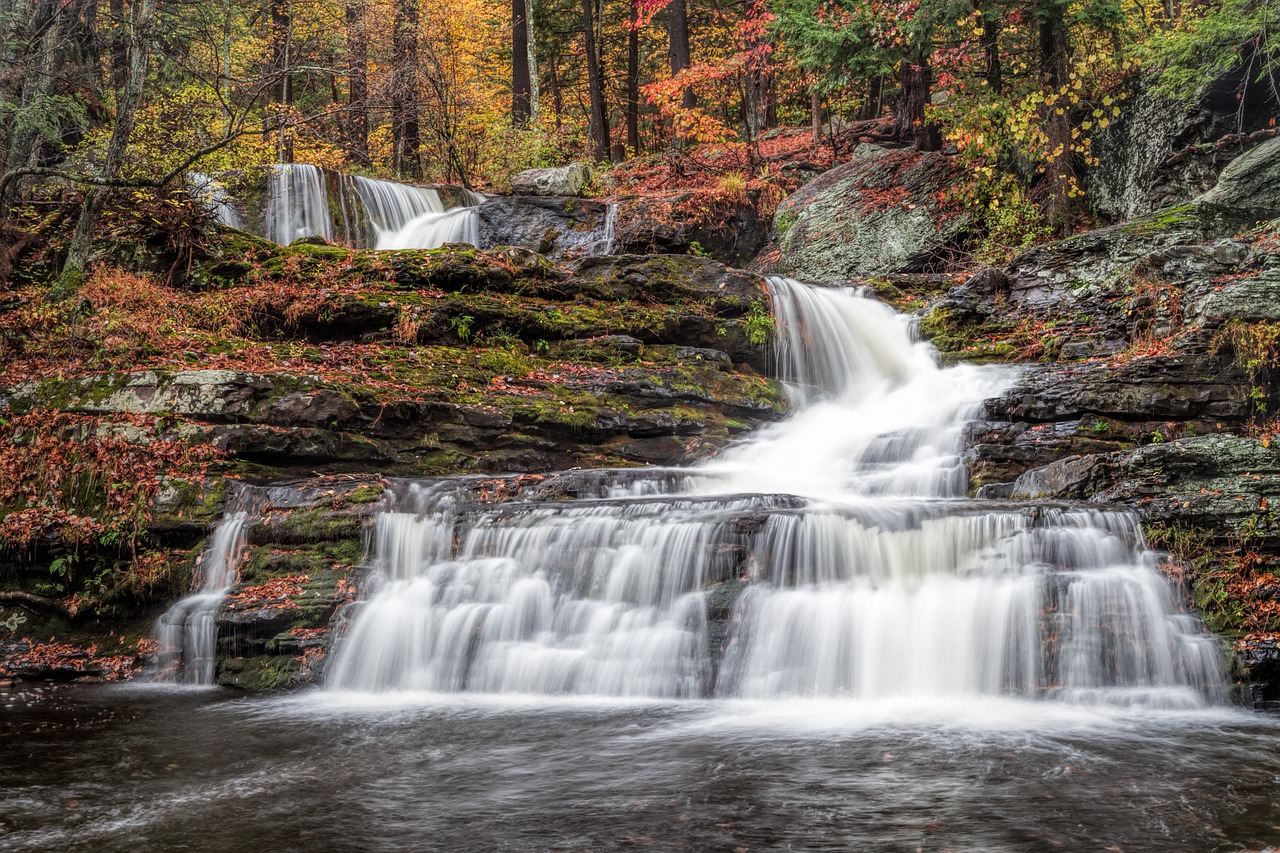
(300, 200)
(188, 632)
(306, 201)
(832, 555)
(814, 642)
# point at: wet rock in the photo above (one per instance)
(556, 227)
(1251, 181)
(1163, 151)
(728, 230)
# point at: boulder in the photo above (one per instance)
(568, 180)
(557, 227)
(1251, 182)
(727, 229)
(886, 212)
(1164, 151)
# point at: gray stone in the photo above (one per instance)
(1251, 182)
(568, 180)
(871, 216)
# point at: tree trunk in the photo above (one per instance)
(916, 82)
(404, 90)
(990, 41)
(119, 45)
(759, 82)
(1060, 177)
(534, 100)
(678, 34)
(633, 84)
(557, 105)
(521, 106)
(36, 80)
(281, 48)
(874, 104)
(595, 87)
(815, 115)
(357, 81)
(127, 103)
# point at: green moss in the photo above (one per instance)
(366, 494)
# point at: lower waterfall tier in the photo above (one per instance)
(763, 596)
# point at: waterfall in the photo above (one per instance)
(833, 554)
(297, 204)
(306, 201)
(188, 632)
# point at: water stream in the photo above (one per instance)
(188, 632)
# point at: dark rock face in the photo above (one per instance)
(728, 230)
(1163, 152)
(878, 214)
(554, 226)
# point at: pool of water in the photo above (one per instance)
(112, 768)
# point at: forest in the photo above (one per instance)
(97, 97)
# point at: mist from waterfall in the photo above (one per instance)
(830, 555)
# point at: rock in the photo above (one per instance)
(1251, 182)
(1162, 151)
(1101, 261)
(557, 227)
(874, 215)
(682, 223)
(568, 180)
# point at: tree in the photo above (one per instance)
(599, 117)
(142, 13)
(404, 90)
(355, 12)
(521, 79)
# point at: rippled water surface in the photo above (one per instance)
(129, 769)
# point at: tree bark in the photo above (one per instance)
(357, 81)
(815, 115)
(1060, 176)
(281, 48)
(127, 103)
(595, 87)
(759, 83)
(119, 45)
(404, 90)
(633, 84)
(990, 41)
(678, 53)
(521, 105)
(916, 79)
(532, 52)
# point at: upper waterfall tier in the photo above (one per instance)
(828, 555)
(287, 202)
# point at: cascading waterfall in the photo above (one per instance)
(188, 632)
(297, 204)
(832, 555)
(306, 201)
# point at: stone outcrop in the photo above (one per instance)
(555, 226)
(728, 229)
(1163, 151)
(883, 213)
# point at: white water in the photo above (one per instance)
(297, 204)
(188, 631)
(838, 538)
(370, 213)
